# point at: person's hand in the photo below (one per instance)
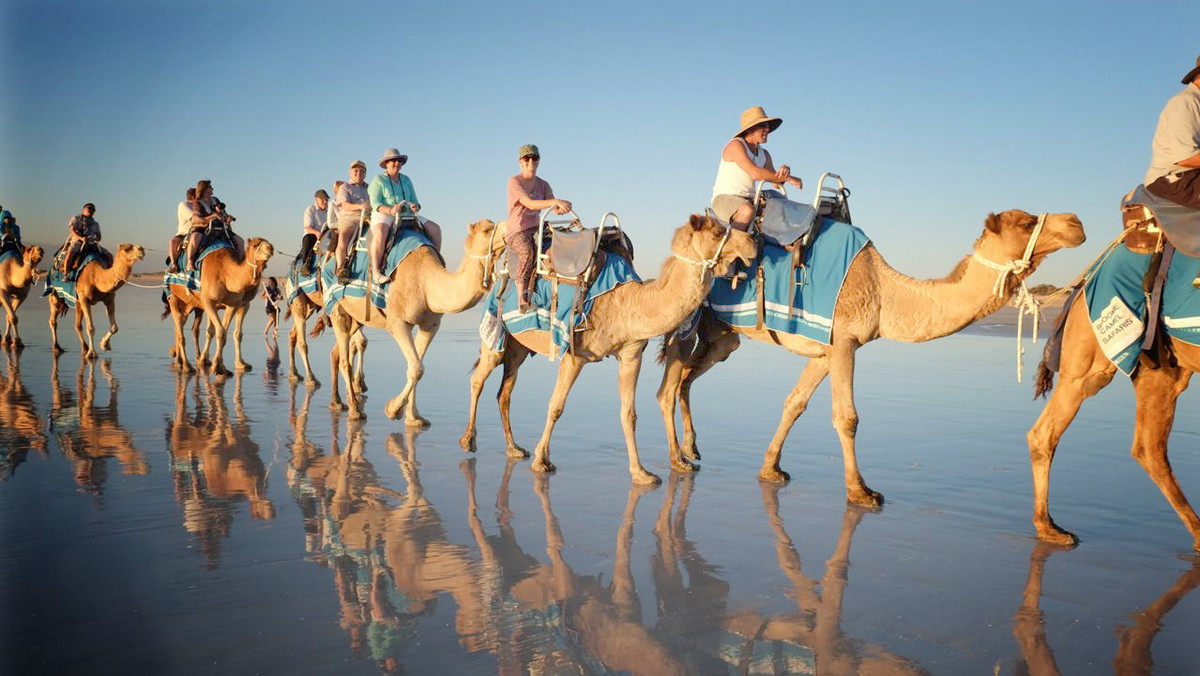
(415, 207)
(796, 182)
(783, 173)
(561, 206)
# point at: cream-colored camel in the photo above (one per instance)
(224, 282)
(1084, 371)
(17, 276)
(303, 306)
(875, 302)
(422, 290)
(89, 434)
(620, 323)
(95, 284)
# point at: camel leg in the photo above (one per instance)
(55, 304)
(358, 353)
(12, 337)
(793, 407)
(239, 316)
(401, 332)
(295, 341)
(340, 363)
(668, 394)
(845, 421)
(110, 307)
(423, 339)
(717, 351)
(85, 328)
(515, 354)
(1157, 392)
(568, 371)
(335, 397)
(630, 360)
(221, 332)
(179, 314)
(487, 362)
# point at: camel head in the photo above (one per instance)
(484, 237)
(704, 238)
(259, 251)
(131, 252)
(33, 254)
(1006, 236)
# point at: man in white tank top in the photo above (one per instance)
(744, 161)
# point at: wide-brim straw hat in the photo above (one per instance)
(392, 154)
(754, 116)
(1191, 74)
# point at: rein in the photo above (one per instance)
(488, 269)
(1022, 299)
(706, 265)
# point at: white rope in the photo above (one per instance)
(1022, 299)
(706, 265)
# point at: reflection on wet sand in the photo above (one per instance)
(20, 426)
(214, 461)
(89, 434)
(810, 640)
(1133, 641)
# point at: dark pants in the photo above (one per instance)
(521, 246)
(1185, 191)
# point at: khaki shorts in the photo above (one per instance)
(725, 206)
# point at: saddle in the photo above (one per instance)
(1179, 224)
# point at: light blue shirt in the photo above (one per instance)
(385, 192)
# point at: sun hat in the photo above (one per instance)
(1191, 74)
(358, 163)
(392, 154)
(321, 194)
(527, 150)
(754, 116)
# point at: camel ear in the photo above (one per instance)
(697, 221)
(992, 223)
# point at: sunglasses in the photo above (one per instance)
(532, 158)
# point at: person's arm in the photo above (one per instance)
(345, 204)
(414, 204)
(561, 206)
(1192, 162)
(735, 151)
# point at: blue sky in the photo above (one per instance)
(935, 113)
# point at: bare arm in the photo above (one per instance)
(1192, 162)
(736, 152)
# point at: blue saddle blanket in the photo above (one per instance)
(6, 254)
(1117, 305)
(797, 301)
(191, 280)
(298, 283)
(616, 271)
(356, 286)
(62, 285)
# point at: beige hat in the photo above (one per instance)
(321, 194)
(754, 116)
(358, 163)
(1191, 75)
(392, 154)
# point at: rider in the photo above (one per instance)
(527, 196)
(183, 213)
(744, 161)
(316, 218)
(209, 212)
(10, 232)
(82, 230)
(393, 198)
(1174, 172)
(353, 205)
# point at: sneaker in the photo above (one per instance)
(380, 279)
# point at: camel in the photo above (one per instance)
(620, 323)
(303, 306)
(17, 276)
(875, 302)
(95, 284)
(422, 290)
(1084, 371)
(223, 282)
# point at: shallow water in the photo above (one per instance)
(153, 523)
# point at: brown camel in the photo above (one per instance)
(224, 282)
(16, 278)
(621, 322)
(422, 290)
(876, 302)
(303, 306)
(95, 284)
(1084, 371)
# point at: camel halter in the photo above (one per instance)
(1022, 299)
(488, 270)
(706, 265)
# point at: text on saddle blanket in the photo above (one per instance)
(358, 265)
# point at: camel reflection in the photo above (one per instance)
(87, 433)
(1133, 641)
(20, 426)
(810, 640)
(215, 463)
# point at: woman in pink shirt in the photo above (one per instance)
(527, 196)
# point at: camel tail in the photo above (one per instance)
(662, 347)
(319, 327)
(62, 310)
(475, 365)
(1044, 381)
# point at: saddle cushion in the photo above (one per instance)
(616, 271)
(191, 280)
(1180, 224)
(6, 254)
(62, 285)
(408, 241)
(804, 308)
(785, 221)
(298, 283)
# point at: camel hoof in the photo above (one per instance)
(1054, 535)
(56, 350)
(467, 442)
(243, 367)
(543, 466)
(417, 423)
(18, 344)
(775, 476)
(105, 346)
(515, 451)
(361, 385)
(336, 405)
(294, 377)
(356, 415)
(313, 383)
(683, 466)
(865, 497)
(690, 451)
(91, 355)
(646, 479)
